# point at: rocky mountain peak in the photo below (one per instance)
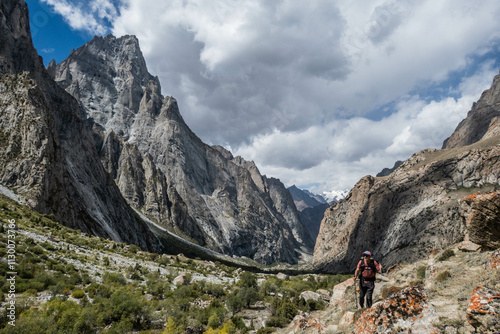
(111, 72)
(162, 168)
(482, 121)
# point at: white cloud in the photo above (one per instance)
(319, 92)
(87, 17)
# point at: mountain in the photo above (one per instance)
(416, 209)
(47, 151)
(335, 195)
(388, 171)
(164, 170)
(482, 121)
(304, 198)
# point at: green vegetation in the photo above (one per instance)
(421, 272)
(446, 255)
(443, 276)
(71, 282)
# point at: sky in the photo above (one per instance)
(318, 93)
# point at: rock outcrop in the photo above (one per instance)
(47, 150)
(407, 311)
(483, 312)
(163, 169)
(482, 121)
(481, 213)
(401, 217)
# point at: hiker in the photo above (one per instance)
(366, 272)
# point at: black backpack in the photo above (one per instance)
(363, 266)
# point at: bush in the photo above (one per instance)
(443, 276)
(78, 294)
(276, 321)
(390, 291)
(446, 255)
(421, 272)
(114, 278)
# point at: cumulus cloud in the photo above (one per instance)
(318, 93)
(92, 17)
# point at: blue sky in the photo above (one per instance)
(317, 93)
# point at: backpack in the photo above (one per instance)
(373, 268)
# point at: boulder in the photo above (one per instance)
(324, 294)
(483, 312)
(282, 276)
(310, 295)
(346, 320)
(405, 312)
(481, 213)
(180, 280)
(339, 293)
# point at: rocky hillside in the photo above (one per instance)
(67, 281)
(453, 291)
(72, 282)
(164, 170)
(416, 208)
(47, 152)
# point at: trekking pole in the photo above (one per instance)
(355, 293)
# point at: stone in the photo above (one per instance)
(405, 312)
(180, 280)
(338, 298)
(483, 311)
(282, 276)
(468, 246)
(324, 294)
(347, 320)
(310, 295)
(481, 213)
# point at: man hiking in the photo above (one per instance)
(366, 271)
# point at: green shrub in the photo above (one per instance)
(114, 278)
(276, 321)
(390, 291)
(443, 276)
(78, 294)
(421, 272)
(446, 255)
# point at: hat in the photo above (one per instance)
(367, 253)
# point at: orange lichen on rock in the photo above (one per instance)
(483, 311)
(405, 309)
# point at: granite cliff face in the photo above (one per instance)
(403, 216)
(47, 150)
(163, 169)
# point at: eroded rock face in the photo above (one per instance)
(47, 151)
(401, 217)
(406, 312)
(482, 121)
(162, 168)
(483, 312)
(481, 213)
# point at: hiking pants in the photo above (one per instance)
(366, 289)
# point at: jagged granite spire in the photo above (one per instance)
(201, 192)
(47, 150)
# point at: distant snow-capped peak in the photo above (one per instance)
(335, 195)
